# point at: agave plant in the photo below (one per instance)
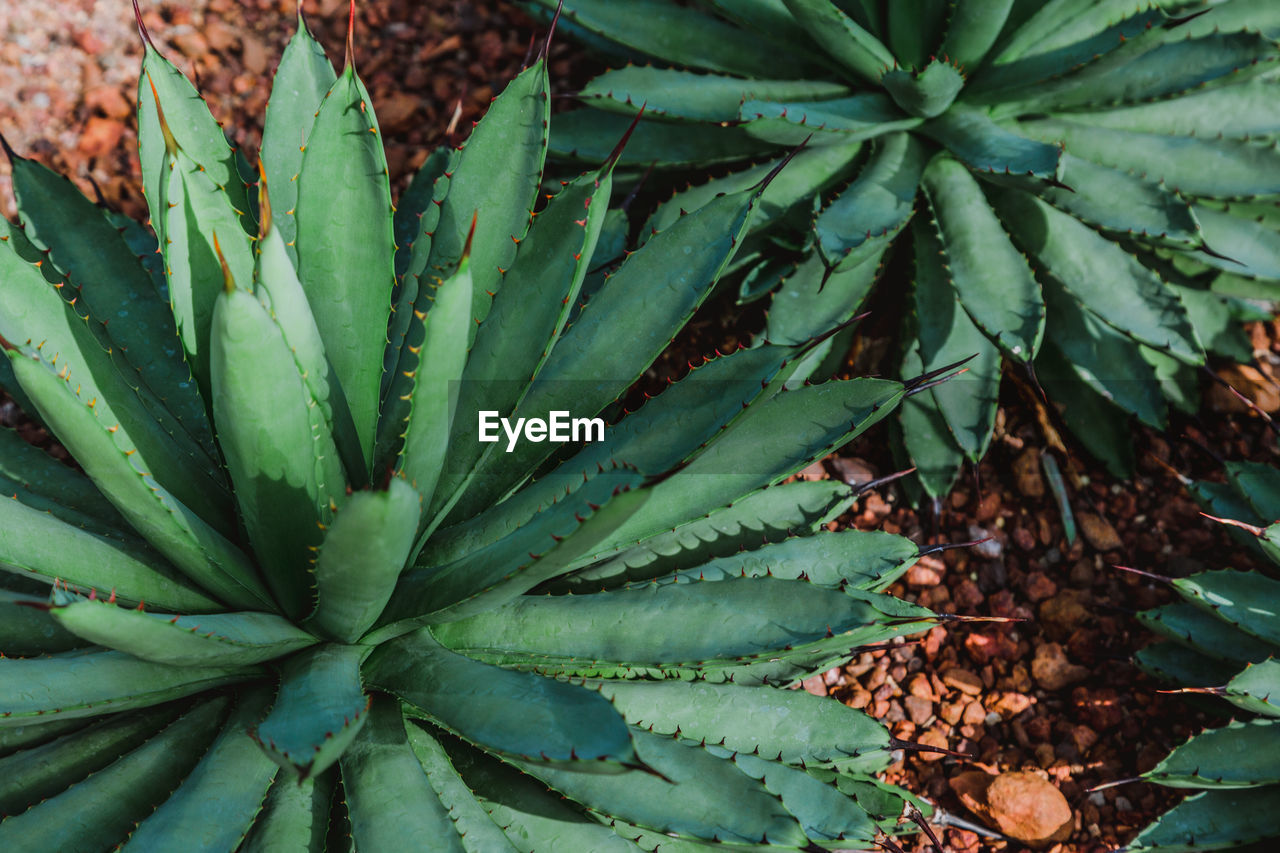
(289, 600)
(1073, 186)
(1223, 639)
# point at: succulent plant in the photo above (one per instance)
(1222, 639)
(288, 600)
(1077, 187)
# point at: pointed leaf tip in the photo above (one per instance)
(6, 346)
(8, 150)
(228, 282)
(545, 50)
(466, 249)
(351, 28)
(170, 144)
(1152, 575)
(1249, 528)
(264, 201)
(142, 28)
(622, 143)
(776, 170)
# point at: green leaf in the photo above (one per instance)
(282, 294)
(678, 35)
(435, 366)
(1251, 248)
(1080, 29)
(1247, 600)
(993, 280)
(285, 468)
(947, 335)
(1179, 382)
(926, 93)
(746, 720)
(1202, 631)
(825, 813)
(142, 242)
(840, 121)
(620, 333)
(40, 481)
(1256, 688)
(768, 515)
(1144, 69)
(914, 29)
(1112, 200)
(1178, 664)
(875, 208)
(1238, 112)
(1258, 484)
(528, 316)
(543, 549)
(37, 315)
(842, 38)
(674, 94)
(34, 543)
(294, 817)
(972, 30)
(43, 771)
(768, 17)
(195, 131)
(861, 559)
(653, 439)
(345, 244)
(27, 629)
(1217, 320)
(302, 79)
(536, 719)
(361, 557)
(195, 548)
(89, 683)
(1109, 361)
(476, 828)
(1239, 169)
(216, 804)
(809, 172)
(1099, 424)
(410, 208)
(926, 436)
(1109, 282)
(529, 814)
(319, 710)
(218, 639)
(15, 738)
(1213, 820)
(1239, 755)
(984, 146)
(689, 798)
(201, 232)
(110, 283)
(812, 301)
(591, 135)
(752, 630)
(783, 434)
(388, 796)
(100, 812)
(469, 193)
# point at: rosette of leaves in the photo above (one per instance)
(1221, 638)
(1078, 186)
(289, 601)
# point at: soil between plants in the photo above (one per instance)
(1054, 694)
